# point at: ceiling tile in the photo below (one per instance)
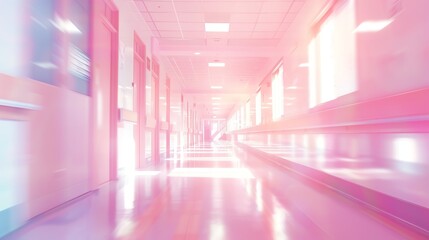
(189, 7)
(218, 6)
(248, 7)
(151, 25)
(192, 26)
(279, 34)
(263, 35)
(237, 35)
(271, 17)
(244, 17)
(216, 17)
(167, 26)
(264, 27)
(170, 34)
(147, 17)
(276, 7)
(284, 26)
(241, 27)
(296, 6)
(190, 34)
(163, 17)
(140, 6)
(191, 17)
(289, 17)
(159, 6)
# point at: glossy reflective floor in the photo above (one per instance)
(211, 191)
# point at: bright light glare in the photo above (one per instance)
(217, 231)
(217, 27)
(197, 53)
(216, 87)
(303, 65)
(146, 173)
(373, 26)
(405, 149)
(124, 228)
(241, 173)
(216, 64)
(66, 26)
(215, 98)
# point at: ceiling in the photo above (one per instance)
(256, 28)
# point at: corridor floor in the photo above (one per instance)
(213, 191)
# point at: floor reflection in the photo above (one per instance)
(220, 195)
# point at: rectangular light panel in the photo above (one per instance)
(216, 64)
(217, 27)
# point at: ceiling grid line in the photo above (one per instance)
(177, 18)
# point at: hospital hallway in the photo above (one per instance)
(214, 191)
(214, 119)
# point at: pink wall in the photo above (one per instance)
(56, 152)
(68, 145)
(394, 59)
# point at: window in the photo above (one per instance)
(332, 56)
(277, 89)
(258, 108)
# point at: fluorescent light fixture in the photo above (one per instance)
(216, 98)
(216, 87)
(148, 87)
(197, 53)
(162, 98)
(216, 64)
(303, 65)
(373, 26)
(217, 27)
(215, 103)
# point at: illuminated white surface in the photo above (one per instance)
(211, 173)
(216, 64)
(405, 149)
(373, 26)
(216, 27)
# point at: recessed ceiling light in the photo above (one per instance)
(216, 64)
(373, 26)
(217, 27)
(216, 87)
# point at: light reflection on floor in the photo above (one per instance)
(243, 199)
